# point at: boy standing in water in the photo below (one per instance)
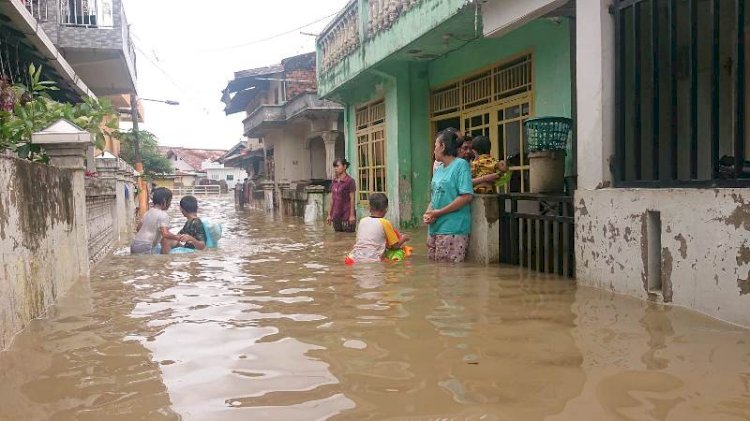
(375, 234)
(194, 234)
(154, 227)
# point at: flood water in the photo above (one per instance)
(272, 326)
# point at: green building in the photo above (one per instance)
(406, 69)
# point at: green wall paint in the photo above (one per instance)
(406, 85)
(418, 21)
(550, 44)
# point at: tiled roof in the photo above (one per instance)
(259, 71)
(193, 157)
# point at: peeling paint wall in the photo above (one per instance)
(705, 246)
(40, 255)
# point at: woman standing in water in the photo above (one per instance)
(342, 214)
(449, 213)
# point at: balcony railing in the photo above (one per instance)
(94, 13)
(341, 38)
(37, 8)
(384, 13)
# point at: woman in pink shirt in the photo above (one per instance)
(342, 214)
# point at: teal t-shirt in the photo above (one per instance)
(447, 184)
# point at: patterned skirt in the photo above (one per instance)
(447, 248)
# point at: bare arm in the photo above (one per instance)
(168, 235)
(489, 178)
(352, 212)
(199, 245)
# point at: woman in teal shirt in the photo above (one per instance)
(449, 213)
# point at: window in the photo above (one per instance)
(371, 140)
(230, 177)
(678, 68)
(494, 102)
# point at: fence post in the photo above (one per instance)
(484, 242)
(66, 146)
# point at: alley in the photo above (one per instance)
(273, 326)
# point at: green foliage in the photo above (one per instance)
(153, 161)
(28, 109)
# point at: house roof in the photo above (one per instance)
(193, 157)
(249, 83)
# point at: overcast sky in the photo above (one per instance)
(188, 50)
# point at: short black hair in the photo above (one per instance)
(162, 196)
(451, 140)
(189, 203)
(378, 202)
(482, 144)
(341, 161)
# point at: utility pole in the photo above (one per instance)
(142, 189)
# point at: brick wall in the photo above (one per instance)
(296, 88)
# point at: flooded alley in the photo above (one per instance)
(273, 326)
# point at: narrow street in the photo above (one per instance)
(272, 326)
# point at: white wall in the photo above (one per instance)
(502, 16)
(237, 174)
(705, 246)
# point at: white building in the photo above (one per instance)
(216, 171)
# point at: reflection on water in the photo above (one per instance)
(273, 326)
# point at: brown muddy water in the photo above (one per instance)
(272, 326)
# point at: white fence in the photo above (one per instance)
(197, 190)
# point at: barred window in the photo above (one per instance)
(370, 134)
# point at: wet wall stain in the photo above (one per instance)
(740, 217)
(492, 210)
(644, 250)
(683, 245)
(43, 196)
(666, 274)
(744, 284)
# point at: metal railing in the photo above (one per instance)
(197, 190)
(37, 8)
(93, 13)
(538, 231)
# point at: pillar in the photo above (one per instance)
(329, 140)
(268, 191)
(484, 242)
(315, 210)
(595, 92)
(108, 171)
(67, 145)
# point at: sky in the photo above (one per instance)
(187, 51)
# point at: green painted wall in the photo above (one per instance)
(418, 21)
(406, 85)
(550, 44)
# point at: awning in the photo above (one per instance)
(499, 17)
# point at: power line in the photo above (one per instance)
(269, 38)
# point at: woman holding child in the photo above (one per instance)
(449, 214)
(342, 214)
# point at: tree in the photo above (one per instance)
(153, 161)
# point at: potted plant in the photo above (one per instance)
(547, 140)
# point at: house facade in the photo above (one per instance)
(663, 199)
(406, 70)
(299, 133)
(656, 204)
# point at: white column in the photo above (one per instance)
(329, 140)
(596, 88)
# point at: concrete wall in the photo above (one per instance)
(41, 252)
(702, 252)
(690, 247)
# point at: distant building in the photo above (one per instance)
(217, 171)
(300, 133)
(188, 163)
